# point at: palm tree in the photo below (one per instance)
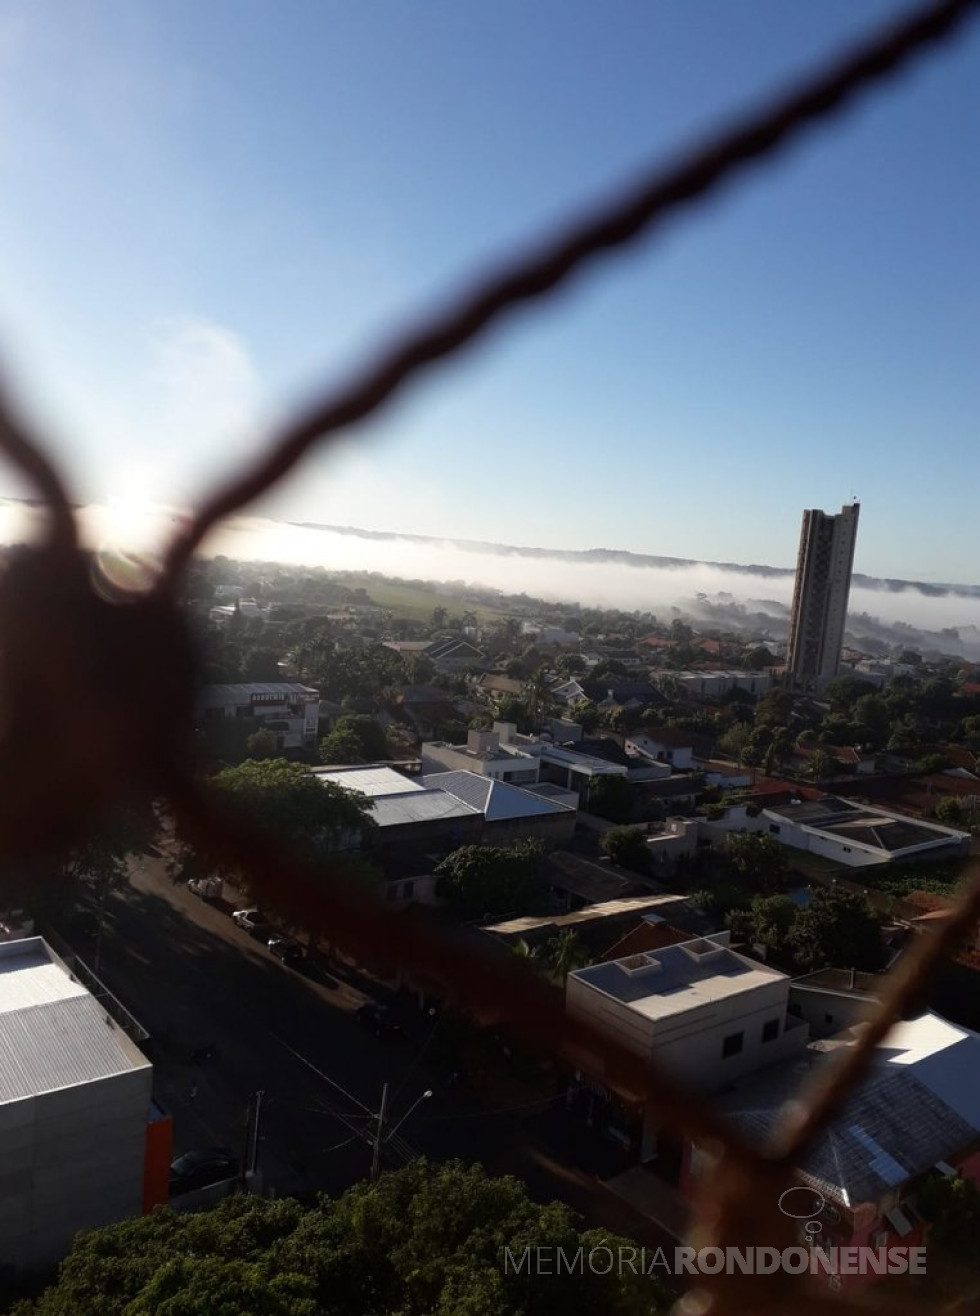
(566, 952)
(523, 950)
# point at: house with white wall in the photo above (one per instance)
(847, 831)
(289, 710)
(704, 1013)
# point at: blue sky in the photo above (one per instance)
(209, 210)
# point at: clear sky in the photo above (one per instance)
(210, 208)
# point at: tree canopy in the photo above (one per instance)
(356, 738)
(288, 800)
(627, 847)
(426, 1239)
(758, 860)
(487, 879)
(837, 929)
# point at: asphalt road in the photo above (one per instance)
(192, 977)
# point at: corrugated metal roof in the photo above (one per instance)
(29, 977)
(496, 800)
(418, 807)
(372, 781)
(53, 1033)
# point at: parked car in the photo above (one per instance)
(84, 923)
(254, 922)
(201, 1168)
(287, 952)
(208, 888)
(379, 1020)
(15, 924)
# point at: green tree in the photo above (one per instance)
(263, 744)
(611, 798)
(757, 859)
(356, 738)
(930, 763)
(953, 1208)
(566, 952)
(871, 713)
(287, 800)
(756, 659)
(767, 921)
(821, 765)
(439, 618)
(570, 664)
(627, 847)
(425, 1239)
(844, 692)
(838, 929)
(489, 881)
(585, 713)
(733, 741)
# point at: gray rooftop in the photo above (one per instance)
(372, 780)
(847, 821)
(53, 1033)
(891, 1130)
(920, 1106)
(496, 800)
(417, 807)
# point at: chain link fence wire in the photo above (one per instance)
(97, 708)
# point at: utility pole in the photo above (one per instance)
(97, 958)
(250, 1150)
(378, 1135)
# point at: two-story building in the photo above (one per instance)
(703, 1012)
(289, 710)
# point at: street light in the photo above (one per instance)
(417, 1102)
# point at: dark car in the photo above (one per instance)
(200, 1168)
(286, 952)
(379, 1020)
(84, 923)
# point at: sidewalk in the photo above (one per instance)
(654, 1198)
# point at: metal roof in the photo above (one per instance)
(373, 781)
(890, 1130)
(53, 1032)
(496, 800)
(417, 807)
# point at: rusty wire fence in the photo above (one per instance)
(97, 690)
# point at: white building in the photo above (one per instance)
(486, 752)
(75, 1105)
(851, 833)
(247, 608)
(719, 683)
(705, 1014)
(521, 760)
(288, 709)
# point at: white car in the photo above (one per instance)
(252, 920)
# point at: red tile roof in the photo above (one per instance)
(645, 937)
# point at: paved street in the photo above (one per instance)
(191, 977)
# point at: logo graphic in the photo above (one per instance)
(802, 1203)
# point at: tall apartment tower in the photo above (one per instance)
(823, 583)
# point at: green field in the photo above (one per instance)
(416, 602)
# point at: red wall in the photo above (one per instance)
(156, 1164)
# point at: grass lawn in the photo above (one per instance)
(416, 602)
